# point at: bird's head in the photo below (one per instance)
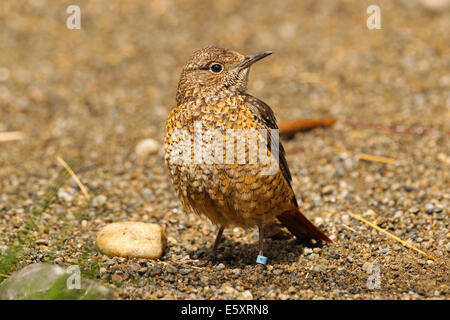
(215, 72)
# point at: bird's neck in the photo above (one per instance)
(209, 96)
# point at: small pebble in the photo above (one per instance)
(277, 272)
(327, 190)
(154, 271)
(429, 208)
(99, 201)
(345, 219)
(220, 267)
(318, 220)
(313, 256)
(398, 214)
(65, 196)
(110, 263)
(185, 271)
(142, 270)
(369, 213)
(282, 296)
(147, 194)
(333, 254)
(246, 295)
(41, 242)
(236, 272)
(171, 269)
(146, 147)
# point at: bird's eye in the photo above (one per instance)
(216, 68)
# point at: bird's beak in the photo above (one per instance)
(251, 59)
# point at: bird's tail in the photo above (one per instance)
(300, 226)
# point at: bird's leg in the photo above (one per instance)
(261, 260)
(261, 239)
(217, 242)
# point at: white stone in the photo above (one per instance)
(436, 5)
(246, 295)
(318, 220)
(99, 200)
(398, 214)
(227, 289)
(132, 240)
(146, 147)
(283, 296)
(65, 196)
(345, 219)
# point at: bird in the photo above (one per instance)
(212, 109)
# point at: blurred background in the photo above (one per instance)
(114, 80)
(91, 95)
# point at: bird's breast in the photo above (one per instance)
(217, 158)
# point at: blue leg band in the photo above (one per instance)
(261, 259)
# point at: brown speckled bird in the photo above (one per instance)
(211, 97)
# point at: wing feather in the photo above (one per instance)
(265, 116)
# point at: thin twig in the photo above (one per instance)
(392, 236)
(11, 136)
(349, 228)
(75, 177)
(290, 128)
(369, 157)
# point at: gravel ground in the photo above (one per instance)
(91, 95)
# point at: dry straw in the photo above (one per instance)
(372, 158)
(11, 136)
(75, 177)
(349, 228)
(392, 236)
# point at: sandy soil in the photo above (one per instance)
(91, 95)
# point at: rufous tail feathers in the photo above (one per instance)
(300, 226)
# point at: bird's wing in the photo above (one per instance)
(266, 117)
(293, 219)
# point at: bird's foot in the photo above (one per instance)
(213, 258)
